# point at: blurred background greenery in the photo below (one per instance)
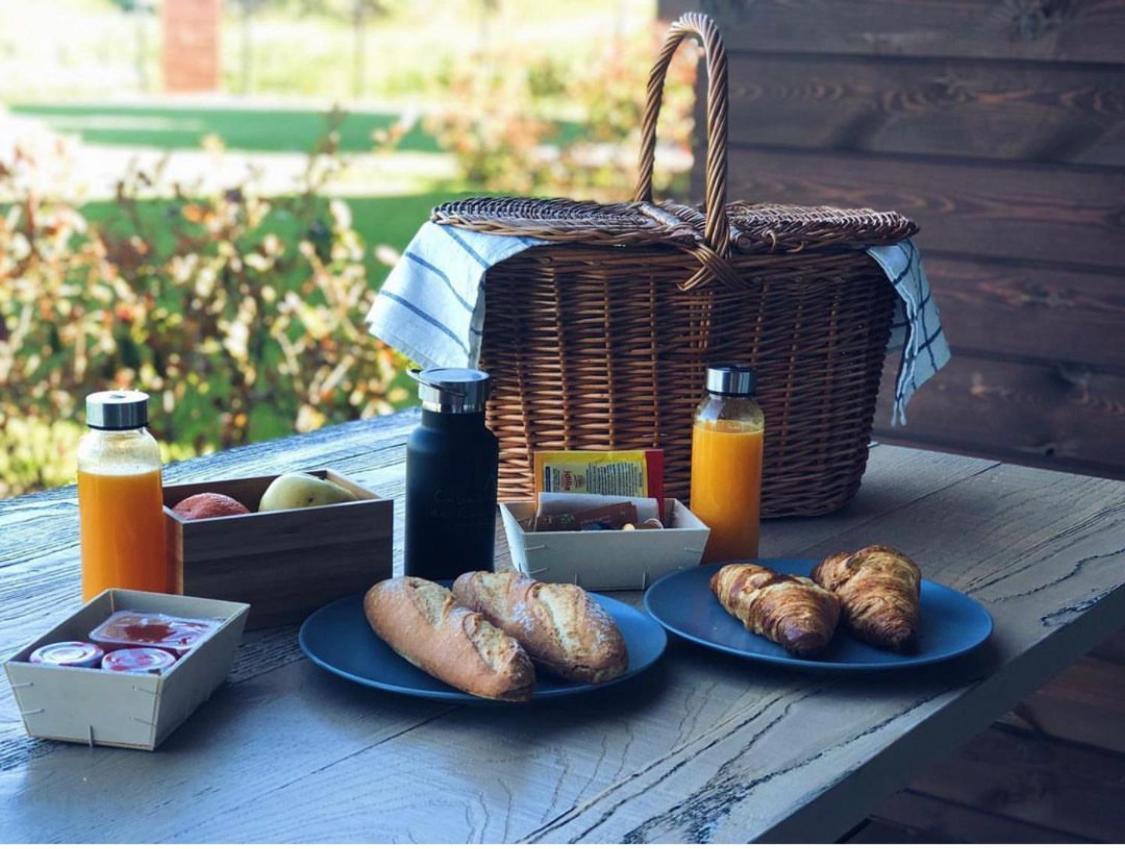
(219, 250)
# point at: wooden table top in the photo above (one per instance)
(702, 748)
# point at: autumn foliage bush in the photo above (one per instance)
(241, 315)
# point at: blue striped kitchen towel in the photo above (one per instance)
(431, 306)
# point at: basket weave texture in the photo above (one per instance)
(601, 338)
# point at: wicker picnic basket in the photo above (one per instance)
(600, 338)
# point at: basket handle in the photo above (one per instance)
(716, 230)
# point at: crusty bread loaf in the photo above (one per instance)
(559, 625)
(420, 620)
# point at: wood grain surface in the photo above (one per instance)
(951, 108)
(1067, 787)
(1034, 311)
(935, 819)
(1038, 30)
(1051, 413)
(1002, 210)
(997, 126)
(1085, 704)
(705, 747)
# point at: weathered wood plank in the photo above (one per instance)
(1069, 787)
(1084, 704)
(1013, 309)
(953, 108)
(1052, 213)
(1063, 414)
(698, 747)
(997, 535)
(1112, 649)
(882, 831)
(469, 797)
(39, 581)
(927, 819)
(1076, 31)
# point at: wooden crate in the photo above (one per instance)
(285, 563)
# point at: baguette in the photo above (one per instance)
(788, 609)
(559, 625)
(421, 622)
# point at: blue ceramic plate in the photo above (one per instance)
(338, 638)
(952, 624)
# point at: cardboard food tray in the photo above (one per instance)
(605, 560)
(103, 708)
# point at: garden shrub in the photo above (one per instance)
(241, 315)
(519, 124)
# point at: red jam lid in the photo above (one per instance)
(130, 628)
(138, 660)
(67, 654)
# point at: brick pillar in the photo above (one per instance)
(190, 56)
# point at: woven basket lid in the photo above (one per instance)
(711, 234)
(754, 228)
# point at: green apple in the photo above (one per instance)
(295, 490)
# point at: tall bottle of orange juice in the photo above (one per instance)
(120, 505)
(726, 463)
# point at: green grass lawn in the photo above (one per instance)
(173, 127)
(241, 128)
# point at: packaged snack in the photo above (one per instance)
(608, 517)
(631, 474)
(138, 661)
(129, 628)
(68, 654)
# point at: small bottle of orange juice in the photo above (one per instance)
(120, 502)
(726, 463)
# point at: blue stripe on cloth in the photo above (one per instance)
(433, 268)
(901, 274)
(927, 345)
(425, 316)
(926, 333)
(451, 233)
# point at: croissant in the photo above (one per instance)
(790, 610)
(879, 589)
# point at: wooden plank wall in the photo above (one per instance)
(998, 125)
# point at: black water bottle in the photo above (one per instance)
(451, 465)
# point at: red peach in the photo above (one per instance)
(209, 505)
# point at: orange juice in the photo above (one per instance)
(726, 486)
(726, 464)
(120, 500)
(122, 527)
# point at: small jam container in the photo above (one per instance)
(172, 633)
(138, 661)
(68, 654)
